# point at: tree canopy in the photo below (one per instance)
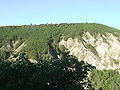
(36, 37)
(64, 73)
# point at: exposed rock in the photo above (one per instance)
(32, 60)
(103, 53)
(20, 47)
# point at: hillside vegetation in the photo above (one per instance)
(66, 73)
(37, 37)
(33, 57)
(105, 79)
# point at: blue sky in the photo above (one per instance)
(20, 12)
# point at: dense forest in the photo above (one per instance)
(18, 44)
(37, 37)
(65, 73)
(105, 79)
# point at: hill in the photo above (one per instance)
(30, 54)
(94, 43)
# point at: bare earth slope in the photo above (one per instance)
(102, 51)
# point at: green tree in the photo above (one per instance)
(63, 73)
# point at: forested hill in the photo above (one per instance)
(35, 57)
(36, 40)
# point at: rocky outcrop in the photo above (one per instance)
(20, 47)
(101, 51)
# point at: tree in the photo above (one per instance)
(4, 54)
(63, 73)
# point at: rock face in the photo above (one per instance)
(101, 51)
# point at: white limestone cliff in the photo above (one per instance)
(104, 52)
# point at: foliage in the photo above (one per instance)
(92, 49)
(4, 55)
(36, 37)
(66, 73)
(105, 79)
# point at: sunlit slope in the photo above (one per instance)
(34, 39)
